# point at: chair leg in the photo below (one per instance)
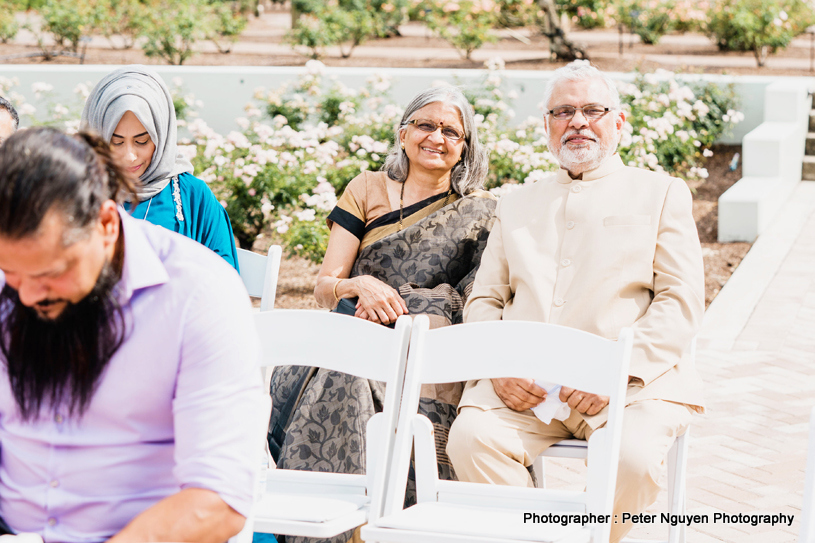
(539, 466)
(677, 484)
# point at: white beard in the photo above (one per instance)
(587, 157)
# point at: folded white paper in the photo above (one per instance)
(552, 407)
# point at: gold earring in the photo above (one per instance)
(403, 145)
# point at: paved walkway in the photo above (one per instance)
(756, 354)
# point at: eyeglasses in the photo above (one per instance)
(566, 113)
(426, 125)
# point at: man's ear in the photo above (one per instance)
(109, 222)
(620, 121)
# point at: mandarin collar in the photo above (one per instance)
(608, 166)
(142, 267)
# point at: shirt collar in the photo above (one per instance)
(142, 267)
(608, 166)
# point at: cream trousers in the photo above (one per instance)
(496, 445)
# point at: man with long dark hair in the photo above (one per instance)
(128, 386)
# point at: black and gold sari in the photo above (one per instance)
(319, 416)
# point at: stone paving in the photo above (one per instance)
(748, 453)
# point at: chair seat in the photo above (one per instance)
(309, 516)
(430, 522)
(568, 448)
(307, 508)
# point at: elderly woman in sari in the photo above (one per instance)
(405, 240)
(133, 110)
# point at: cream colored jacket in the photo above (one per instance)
(617, 248)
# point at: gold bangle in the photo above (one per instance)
(337, 298)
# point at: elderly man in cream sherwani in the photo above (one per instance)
(597, 246)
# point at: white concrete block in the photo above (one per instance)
(774, 149)
(773, 159)
(746, 208)
(786, 101)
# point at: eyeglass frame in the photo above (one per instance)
(583, 111)
(437, 126)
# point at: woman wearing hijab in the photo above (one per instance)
(133, 110)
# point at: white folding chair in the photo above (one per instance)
(259, 274)
(318, 504)
(677, 474)
(807, 534)
(452, 511)
(677, 468)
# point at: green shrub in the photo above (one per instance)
(672, 124)
(517, 13)
(124, 18)
(647, 19)
(314, 32)
(347, 24)
(68, 21)
(586, 13)
(174, 27)
(465, 24)
(8, 25)
(227, 27)
(760, 26)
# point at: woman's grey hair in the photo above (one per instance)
(469, 173)
(580, 70)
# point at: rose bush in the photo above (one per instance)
(300, 144)
(760, 26)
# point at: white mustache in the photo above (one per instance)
(586, 133)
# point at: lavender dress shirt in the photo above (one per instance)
(176, 407)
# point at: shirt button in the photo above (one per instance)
(577, 188)
(52, 521)
(54, 483)
(569, 225)
(559, 302)
(58, 418)
(565, 262)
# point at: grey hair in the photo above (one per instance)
(469, 173)
(15, 118)
(580, 70)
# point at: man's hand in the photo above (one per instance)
(519, 394)
(588, 404)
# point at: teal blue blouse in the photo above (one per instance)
(189, 208)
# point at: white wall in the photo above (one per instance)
(225, 90)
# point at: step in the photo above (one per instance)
(810, 145)
(812, 121)
(808, 172)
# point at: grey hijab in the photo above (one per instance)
(140, 90)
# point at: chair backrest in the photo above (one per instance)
(346, 344)
(259, 274)
(807, 534)
(557, 354)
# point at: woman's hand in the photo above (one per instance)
(378, 301)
